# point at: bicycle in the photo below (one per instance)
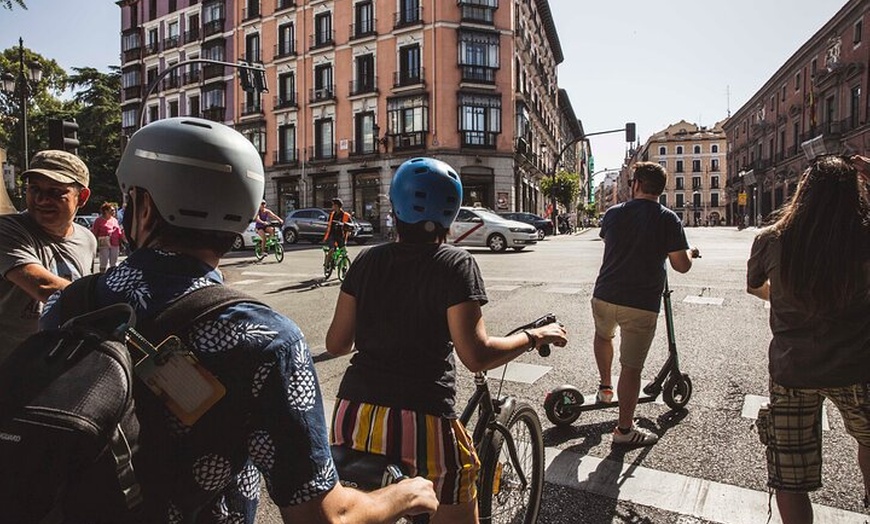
(338, 261)
(272, 246)
(509, 441)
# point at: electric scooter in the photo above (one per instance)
(564, 404)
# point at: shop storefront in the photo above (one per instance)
(288, 195)
(367, 197)
(324, 189)
(477, 187)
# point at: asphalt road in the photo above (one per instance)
(708, 465)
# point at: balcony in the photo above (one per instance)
(321, 153)
(363, 86)
(363, 29)
(152, 48)
(171, 82)
(212, 28)
(132, 92)
(191, 77)
(191, 35)
(409, 17)
(284, 50)
(407, 78)
(321, 39)
(171, 42)
(363, 147)
(479, 139)
(478, 74)
(215, 114)
(476, 14)
(286, 157)
(408, 141)
(284, 101)
(246, 109)
(321, 94)
(210, 71)
(284, 4)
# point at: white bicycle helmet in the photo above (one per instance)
(200, 174)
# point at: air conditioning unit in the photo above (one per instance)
(320, 94)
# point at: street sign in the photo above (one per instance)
(741, 198)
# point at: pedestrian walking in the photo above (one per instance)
(813, 265)
(639, 235)
(109, 236)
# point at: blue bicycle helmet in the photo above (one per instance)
(426, 189)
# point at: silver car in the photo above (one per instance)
(310, 224)
(481, 228)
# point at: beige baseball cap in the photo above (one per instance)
(59, 165)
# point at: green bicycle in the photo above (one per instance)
(272, 246)
(339, 261)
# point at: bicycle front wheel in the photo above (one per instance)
(259, 252)
(279, 252)
(343, 266)
(502, 496)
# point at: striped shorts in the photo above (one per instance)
(794, 431)
(436, 448)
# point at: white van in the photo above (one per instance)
(476, 227)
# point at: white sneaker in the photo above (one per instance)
(604, 396)
(636, 437)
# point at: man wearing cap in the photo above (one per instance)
(41, 249)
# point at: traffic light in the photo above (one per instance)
(63, 134)
(253, 79)
(630, 132)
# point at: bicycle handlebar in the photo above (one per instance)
(394, 474)
(549, 318)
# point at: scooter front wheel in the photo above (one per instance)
(561, 403)
(677, 391)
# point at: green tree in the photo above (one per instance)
(567, 188)
(98, 113)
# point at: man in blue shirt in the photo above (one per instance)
(192, 186)
(639, 235)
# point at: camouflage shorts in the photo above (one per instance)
(792, 430)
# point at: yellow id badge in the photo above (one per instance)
(174, 374)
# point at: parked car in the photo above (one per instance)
(86, 220)
(475, 227)
(310, 224)
(544, 226)
(247, 239)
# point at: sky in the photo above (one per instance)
(652, 62)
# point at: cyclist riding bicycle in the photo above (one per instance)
(397, 397)
(338, 226)
(264, 219)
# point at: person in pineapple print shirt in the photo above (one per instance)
(207, 179)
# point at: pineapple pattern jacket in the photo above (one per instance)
(270, 424)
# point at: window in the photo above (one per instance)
(663, 199)
(782, 94)
(408, 120)
(856, 32)
(663, 163)
(714, 164)
(714, 182)
(252, 10)
(214, 98)
(172, 35)
(132, 78)
(696, 166)
(131, 42)
(814, 64)
(696, 182)
(481, 11)
(696, 150)
(212, 12)
(214, 52)
(173, 5)
(323, 87)
(256, 136)
(193, 106)
(410, 70)
(173, 108)
(678, 183)
(324, 147)
(365, 141)
(796, 136)
(409, 12)
(153, 114)
(855, 106)
(286, 90)
(286, 39)
(663, 150)
(153, 42)
(323, 29)
(252, 48)
(680, 199)
(714, 148)
(680, 166)
(152, 9)
(287, 144)
(714, 199)
(364, 77)
(364, 19)
(679, 150)
(479, 119)
(797, 81)
(478, 56)
(128, 118)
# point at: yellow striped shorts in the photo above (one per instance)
(436, 448)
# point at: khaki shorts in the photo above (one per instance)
(794, 431)
(637, 327)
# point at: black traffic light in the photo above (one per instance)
(253, 79)
(63, 134)
(630, 132)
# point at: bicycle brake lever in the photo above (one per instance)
(549, 318)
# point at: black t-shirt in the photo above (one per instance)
(638, 235)
(405, 355)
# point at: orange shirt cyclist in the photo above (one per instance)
(338, 226)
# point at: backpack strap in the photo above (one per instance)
(190, 308)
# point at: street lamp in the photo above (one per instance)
(22, 85)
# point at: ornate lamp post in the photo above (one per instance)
(22, 85)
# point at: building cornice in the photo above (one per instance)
(550, 28)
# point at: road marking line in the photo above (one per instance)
(751, 403)
(246, 282)
(520, 372)
(706, 301)
(564, 290)
(250, 273)
(673, 492)
(502, 288)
